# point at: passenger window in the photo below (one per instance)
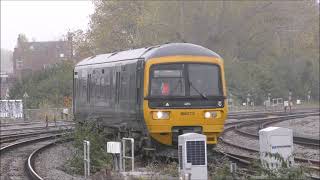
(107, 84)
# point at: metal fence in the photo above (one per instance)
(11, 109)
(51, 113)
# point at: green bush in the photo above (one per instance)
(47, 86)
(285, 171)
(98, 156)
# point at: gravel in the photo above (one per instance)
(226, 148)
(29, 128)
(308, 127)
(12, 163)
(250, 142)
(50, 163)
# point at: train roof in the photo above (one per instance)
(171, 49)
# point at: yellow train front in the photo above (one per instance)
(184, 91)
(159, 92)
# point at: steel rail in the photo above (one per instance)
(14, 137)
(29, 123)
(36, 128)
(247, 160)
(270, 119)
(304, 160)
(296, 139)
(30, 141)
(231, 128)
(256, 114)
(17, 144)
(31, 159)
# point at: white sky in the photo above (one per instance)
(42, 20)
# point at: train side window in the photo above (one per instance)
(101, 87)
(113, 85)
(107, 84)
(97, 89)
(79, 88)
(87, 89)
(77, 91)
(132, 87)
(123, 86)
(93, 87)
(84, 89)
(118, 88)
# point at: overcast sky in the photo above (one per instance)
(42, 20)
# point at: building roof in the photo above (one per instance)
(44, 45)
(172, 49)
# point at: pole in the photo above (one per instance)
(86, 158)
(182, 19)
(24, 109)
(233, 170)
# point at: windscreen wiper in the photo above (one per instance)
(204, 96)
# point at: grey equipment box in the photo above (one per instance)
(192, 152)
(275, 140)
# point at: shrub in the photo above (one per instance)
(98, 156)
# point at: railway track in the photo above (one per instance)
(247, 122)
(263, 122)
(14, 137)
(52, 139)
(30, 168)
(29, 123)
(251, 117)
(35, 128)
(264, 113)
(296, 139)
(245, 161)
(22, 143)
(14, 154)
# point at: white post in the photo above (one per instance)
(233, 169)
(86, 158)
(123, 156)
(124, 153)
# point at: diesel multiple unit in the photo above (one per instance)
(157, 92)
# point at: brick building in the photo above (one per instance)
(6, 81)
(29, 57)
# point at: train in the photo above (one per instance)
(153, 94)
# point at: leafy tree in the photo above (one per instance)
(48, 86)
(268, 46)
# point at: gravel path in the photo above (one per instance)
(299, 151)
(308, 126)
(49, 164)
(230, 149)
(12, 163)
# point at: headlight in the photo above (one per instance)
(212, 114)
(160, 115)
